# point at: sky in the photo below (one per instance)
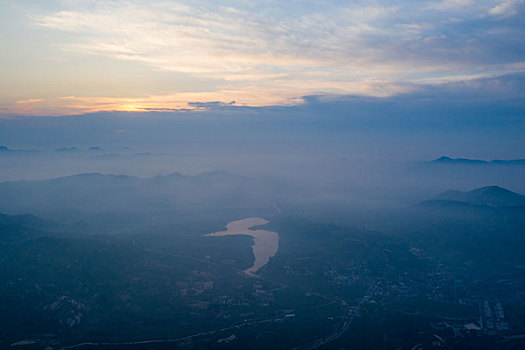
(76, 57)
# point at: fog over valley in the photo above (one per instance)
(262, 175)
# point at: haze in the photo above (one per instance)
(375, 151)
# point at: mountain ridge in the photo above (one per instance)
(72, 198)
(468, 161)
(492, 196)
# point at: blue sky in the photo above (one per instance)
(77, 57)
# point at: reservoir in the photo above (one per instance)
(265, 243)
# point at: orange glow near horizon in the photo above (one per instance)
(73, 105)
(252, 96)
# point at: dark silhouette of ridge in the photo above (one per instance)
(467, 161)
(493, 196)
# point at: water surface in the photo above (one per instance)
(265, 243)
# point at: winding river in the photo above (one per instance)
(265, 243)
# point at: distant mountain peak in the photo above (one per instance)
(174, 174)
(446, 159)
(492, 189)
(494, 196)
(468, 161)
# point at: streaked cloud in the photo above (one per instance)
(260, 53)
(31, 100)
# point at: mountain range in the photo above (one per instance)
(467, 161)
(75, 197)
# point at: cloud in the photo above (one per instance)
(265, 53)
(506, 9)
(451, 4)
(239, 43)
(31, 100)
(67, 105)
(212, 105)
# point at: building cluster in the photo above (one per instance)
(493, 317)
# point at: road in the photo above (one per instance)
(348, 318)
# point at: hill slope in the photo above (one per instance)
(75, 197)
(493, 196)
